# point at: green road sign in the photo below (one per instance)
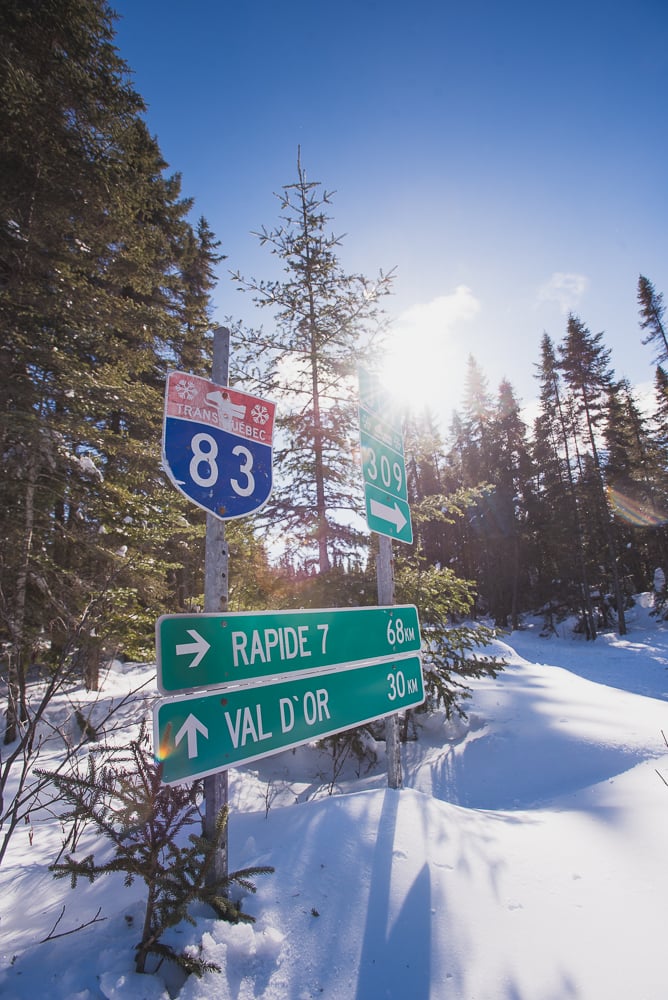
(383, 466)
(212, 650)
(388, 515)
(383, 432)
(375, 398)
(200, 735)
(383, 463)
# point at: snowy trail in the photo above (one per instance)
(525, 859)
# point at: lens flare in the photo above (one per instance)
(640, 513)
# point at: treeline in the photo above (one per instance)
(573, 514)
(104, 285)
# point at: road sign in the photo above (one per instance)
(388, 515)
(199, 735)
(375, 398)
(383, 463)
(217, 445)
(383, 466)
(215, 650)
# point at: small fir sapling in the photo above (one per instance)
(144, 820)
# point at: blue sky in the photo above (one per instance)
(509, 159)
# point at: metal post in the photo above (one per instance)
(385, 579)
(215, 600)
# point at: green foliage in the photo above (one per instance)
(450, 644)
(652, 312)
(104, 285)
(144, 822)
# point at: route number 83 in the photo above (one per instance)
(204, 468)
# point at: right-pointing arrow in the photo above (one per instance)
(392, 514)
(199, 647)
(190, 728)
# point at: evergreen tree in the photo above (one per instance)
(510, 471)
(557, 519)
(325, 320)
(144, 821)
(93, 237)
(585, 364)
(651, 318)
(633, 474)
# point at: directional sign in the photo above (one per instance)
(200, 735)
(383, 464)
(215, 650)
(217, 445)
(388, 515)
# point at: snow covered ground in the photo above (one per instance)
(525, 859)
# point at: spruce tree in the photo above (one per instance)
(146, 823)
(325, 320)
(92, 239)
(510, 471)
(558, 520)
(652, 312)
(585, 364)
(635, 480)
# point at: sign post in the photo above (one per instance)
(387, 512)
(217, 451)
(216, 592)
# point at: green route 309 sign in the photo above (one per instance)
(383, 464)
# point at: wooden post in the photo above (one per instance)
(385, 579)
(216, 591)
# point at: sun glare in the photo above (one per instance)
(427, 352)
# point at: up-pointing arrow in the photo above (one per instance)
(199, 647)
(190, 728)
(392, 514)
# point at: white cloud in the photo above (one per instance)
(435, 319)
(565, 289)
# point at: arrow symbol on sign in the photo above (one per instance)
(199, 647)
(190, 728)
(392, 514)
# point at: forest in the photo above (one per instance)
(107, 279)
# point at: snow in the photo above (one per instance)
(523, 860)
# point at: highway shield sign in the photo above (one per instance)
(217, 445)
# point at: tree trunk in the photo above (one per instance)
(16, 706)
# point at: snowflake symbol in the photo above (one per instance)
(185, 389)
(260, 414)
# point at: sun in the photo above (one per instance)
(426, 354)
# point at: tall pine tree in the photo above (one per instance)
(325, 320)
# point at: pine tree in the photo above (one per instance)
(651, 318)
(585, 364)
(557, 520)
(144, 821)
(634, 475)
(92, 239)
(510, 470)
(325, 320)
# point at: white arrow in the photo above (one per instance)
(199, 647)
(190, 728)
(392, 514)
